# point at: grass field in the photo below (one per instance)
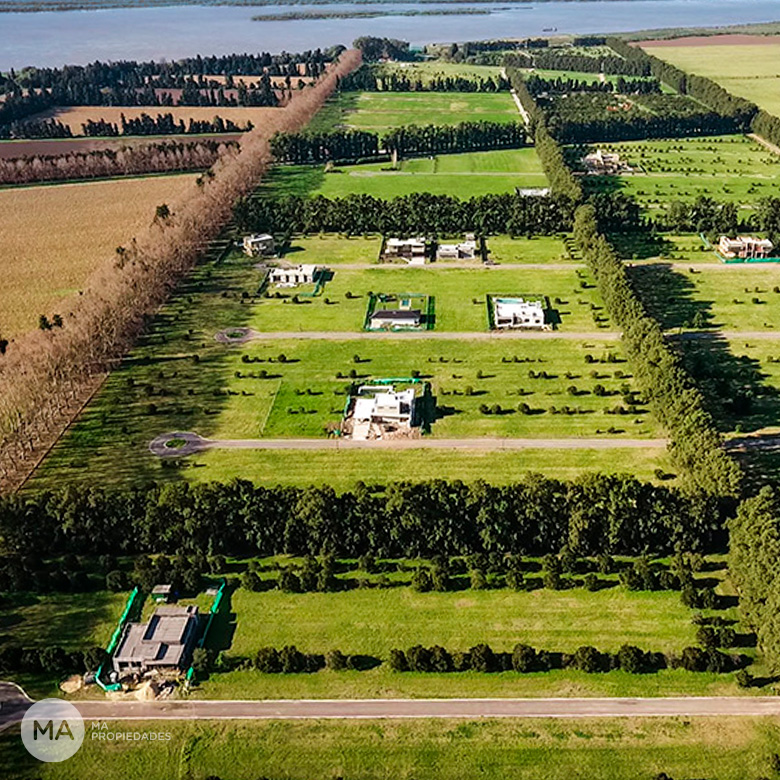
(599, 749)
(70, 620)
(75, 116)
(730, 168)
(504, 250)
(54, 237)
(381, 111)
(460, 175)
(745, 69)
(431, 69)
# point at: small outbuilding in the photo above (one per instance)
(259, 245)
(393, 319)
(161, 594)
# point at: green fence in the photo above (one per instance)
(216, 605)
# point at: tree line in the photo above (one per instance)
(414, 214)
(368, 79)
(538, 85)
(696, 445)
(408, 140)
(103, 163)
(591, 515)
(162, 124)
(560, 59)
(43, 373)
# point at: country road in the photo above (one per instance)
(189, 443)
(363, 709)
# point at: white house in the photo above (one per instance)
(745, 247)
(465, 250)
(259, 245)
(413, 250)
(292, 276)
(600, 163)
(378, 410)
(518, 313)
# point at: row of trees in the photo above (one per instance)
(561, 59)
(592, 515)
(369, 79)
(50, 660)
(696, 446)
(44, 372)
(408, 140)
(526, 659)
(162, 124)
(538, 85)
(103, 163)
(419, 213)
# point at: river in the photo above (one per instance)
(76, 37)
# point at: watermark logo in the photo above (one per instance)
(52, 730)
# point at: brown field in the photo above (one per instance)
(714, 40)
(75, 116)
(53, 237)
(57, 146)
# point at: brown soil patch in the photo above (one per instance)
(712, 40)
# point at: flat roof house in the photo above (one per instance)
(600, 163)
(390, 319)
(745, 247)
(380, 410)
(413, 250)
(259, 245)
(465, 250)
(292, 276)
(518, 313)
(166, 642)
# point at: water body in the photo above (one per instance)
(77, 37)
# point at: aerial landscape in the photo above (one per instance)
(389, 390)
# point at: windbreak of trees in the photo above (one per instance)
(162, 124)
(561, 59)
(367, 79)
(409, 140)
(374, 49)
(103, 163)
(593, 514)
(35, 128)
(418, 213)
(538, 85)
(696, 446)
(45, 371)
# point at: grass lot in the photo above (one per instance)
(459, 294)
(373, 621)
(53, 237)
(666, 247)
(72, 620)
(748, 70)
(505, 250)
(381, 111)
(731, 168)
(599, 749)
(462, 175)
(330, 249)
(75, 116)
(431, 69)
(724, 295)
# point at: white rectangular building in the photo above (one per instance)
(292, 276)
(413, 250)
(518, 313)
(465, 250)
(259, 245)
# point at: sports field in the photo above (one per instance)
(53, 237)
(600, 749)
(728, 168)
(380, 111)
(742, 64)
(460, 175)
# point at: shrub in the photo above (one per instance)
(267, 660)
(335, 660)
(477, 580)
(588, 659)
(630, 659)
(421, 581)
(482, 658)
(397, 661)
(523, 658)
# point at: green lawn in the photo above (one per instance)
(730, 168)
(533, 749)
(748, 70)
(71, 620)
(462, 175)
(381, 111)
(505, 250)
(431, 69)
(459, 295)
(666, 248)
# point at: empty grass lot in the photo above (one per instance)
(731, 168)
(53, 237)
(504, 250)
(381, 111)
(599, 749)
(745, 69)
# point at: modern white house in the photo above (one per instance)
(745, 247)
(259, 245)
(518, 313)
(292, 276)
(601, 163)
(413, 250)
(393, 319)
(465, 250)
(380, 409)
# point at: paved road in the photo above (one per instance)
(430, 708)
(191, 442)
(13, 704)
(427, 335)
